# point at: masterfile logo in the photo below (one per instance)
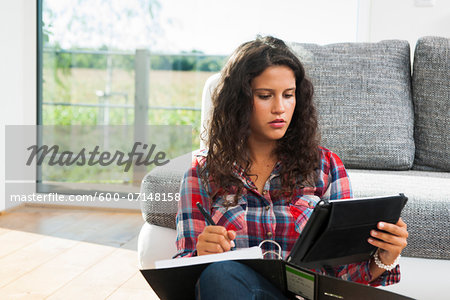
(91, 153)
(95, 157)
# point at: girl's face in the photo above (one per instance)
(273, 103)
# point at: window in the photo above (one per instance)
(118, 66)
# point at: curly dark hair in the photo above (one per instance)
(229, 126)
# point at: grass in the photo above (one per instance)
(167, 88)
(80, 86)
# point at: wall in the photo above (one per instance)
(402, 19)
(18, 71)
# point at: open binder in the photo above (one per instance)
(349, 220)
(179, 282)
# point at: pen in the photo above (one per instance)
(208, 218)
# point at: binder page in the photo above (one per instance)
(244, 253)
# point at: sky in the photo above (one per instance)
(211, 26)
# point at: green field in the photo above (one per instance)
(80, 86)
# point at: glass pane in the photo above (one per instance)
(90, 62)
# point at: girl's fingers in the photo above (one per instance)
(210, 248)
(395, 240)
(393, 229)
(385, 246)
(231, 234)
(215, 239)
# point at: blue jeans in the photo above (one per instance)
(233, 280)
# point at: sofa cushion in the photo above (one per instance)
(431, 95)
(427, 212)
(363, 95)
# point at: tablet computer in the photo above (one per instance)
(337, 231)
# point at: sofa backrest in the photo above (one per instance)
(363, 96)
(431, 95)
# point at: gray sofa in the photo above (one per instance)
(390, 126)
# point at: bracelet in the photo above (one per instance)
(383, 266)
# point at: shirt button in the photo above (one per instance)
(267, 207)
(269, 234)
(264, 192)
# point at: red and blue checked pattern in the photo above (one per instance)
(261, 216)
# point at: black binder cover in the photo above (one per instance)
(179, 282)
(337, 231)
(332, 288)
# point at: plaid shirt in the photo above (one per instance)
(260, 216)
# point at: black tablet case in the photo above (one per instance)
(337, 231)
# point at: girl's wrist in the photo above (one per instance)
(385, 264)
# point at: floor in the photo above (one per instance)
(67, 253)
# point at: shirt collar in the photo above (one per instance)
(239, 173)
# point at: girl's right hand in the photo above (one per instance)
(215, 239)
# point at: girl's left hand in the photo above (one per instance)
(391, 241)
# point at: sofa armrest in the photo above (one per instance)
(155, 243)
(159, 190)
